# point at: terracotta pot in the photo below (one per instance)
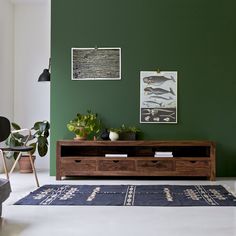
(80, 137)
(25, 165)
(84, 137)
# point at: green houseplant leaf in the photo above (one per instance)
(38, 139)
(85, 124)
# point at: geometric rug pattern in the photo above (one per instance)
(130, 195)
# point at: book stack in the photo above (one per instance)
(163, 154)
(116, 155)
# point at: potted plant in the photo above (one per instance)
(38, 139)
(124, 133)
(128, 132)
(85, 124)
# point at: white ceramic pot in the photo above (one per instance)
(113, 136)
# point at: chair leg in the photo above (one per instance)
(4, 164)
(14, 165)
(34, 171)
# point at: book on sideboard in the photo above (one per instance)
(116, 155)
(163, 154)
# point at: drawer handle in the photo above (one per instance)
(77, 161)
(193, 161)
(115, 161)
(157, 162)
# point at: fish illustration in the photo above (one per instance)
(158, 80)
(152, 102)
(171, 104)
(158, 91)
(161, 97)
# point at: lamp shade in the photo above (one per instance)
(45, 76)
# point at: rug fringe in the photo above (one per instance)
(229, 190)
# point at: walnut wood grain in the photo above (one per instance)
(87, 158)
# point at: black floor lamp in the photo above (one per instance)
(45, 76)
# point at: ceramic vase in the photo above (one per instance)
(113, 136)
(105, 135)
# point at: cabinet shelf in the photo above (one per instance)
(190, 158)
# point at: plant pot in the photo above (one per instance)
(127, 136)
(113, 136)
(80, 137)
(25, 165)
(83, 137)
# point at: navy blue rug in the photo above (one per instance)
(130, 195)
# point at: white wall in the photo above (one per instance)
(32, 52)
(6, 58)
(24, 53)
(6, 63)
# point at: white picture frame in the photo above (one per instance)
(158, 97)
(96, 63)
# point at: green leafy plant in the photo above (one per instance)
(85, 124)
(126, 132)
(116, 130)
(38, 138)
(131, 129)
(127, 129)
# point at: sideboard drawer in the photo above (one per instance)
(192, 158)
(116, 165)
(192, 165)
(75, 164)
(153, 165)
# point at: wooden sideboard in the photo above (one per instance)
(87, 158)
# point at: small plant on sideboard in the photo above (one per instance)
(85, 124)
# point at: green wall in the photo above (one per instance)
(197, 38)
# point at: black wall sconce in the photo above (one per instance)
(45, 76)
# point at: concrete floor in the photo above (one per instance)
(108, 220)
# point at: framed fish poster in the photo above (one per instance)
(158, 97)
(96, 63)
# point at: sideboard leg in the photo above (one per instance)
(212, 178)
(58, 177)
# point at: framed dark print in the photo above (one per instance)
(96, 63)
(158, 97)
